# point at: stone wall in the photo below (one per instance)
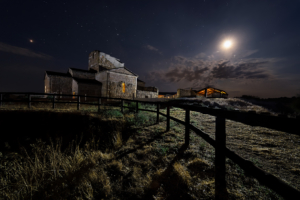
(102, 77)
(47, 84)
(146, 94)
(97, 58)
(60, 84)
(89, 90)
(74, 87)
(185, 93)
(94, 60)
(81, 74)
(115, 85)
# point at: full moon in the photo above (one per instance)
(227, 44)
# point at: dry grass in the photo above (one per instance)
(146, 162)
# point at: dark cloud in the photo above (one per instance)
(202, 73)
(178, 73)
(240, 71)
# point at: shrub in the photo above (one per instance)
(112, 113)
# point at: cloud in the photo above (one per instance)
(22, 51)
(246, 70)
(197, 72)
(247, 53)
(152, 48)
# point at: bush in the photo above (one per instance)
(141, 119)
(112, 113)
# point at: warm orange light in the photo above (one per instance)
(123, 86)
(210, 91)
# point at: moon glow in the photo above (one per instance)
(227, 44)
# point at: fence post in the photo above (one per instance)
(122, 104)
(78, 102)
(157, 113)
(187, 126)
(168, 118)
(99, 104)
(53, 100)
(0, 100)
(220, 182)
(137, 107)
(29, 101)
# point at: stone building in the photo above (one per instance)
(106, 77)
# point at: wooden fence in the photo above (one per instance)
(280, 123)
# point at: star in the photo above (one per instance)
(31, 41)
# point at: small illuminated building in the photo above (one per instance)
(208, 92)
(212, 92)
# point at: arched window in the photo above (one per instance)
(123, 87)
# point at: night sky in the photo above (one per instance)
(169, 44)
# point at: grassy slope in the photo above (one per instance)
(144, 162)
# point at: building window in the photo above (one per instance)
(73, 94)
(123, 87)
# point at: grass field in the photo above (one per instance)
(128, 156)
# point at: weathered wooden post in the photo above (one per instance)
(0, 100)
(137, 107)
(220, 182)
(157, 113)
(168, 118)
(78, 102)
(99, 104)
(29, 101)
(53, 101)
(187, 126)
(122, 106)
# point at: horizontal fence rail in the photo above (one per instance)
(281, 123)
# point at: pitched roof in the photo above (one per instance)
(83, 70)
(130, 71)
(88, 81)
(58, 73)
(210, 90)
(123, 68)
(102, 68)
